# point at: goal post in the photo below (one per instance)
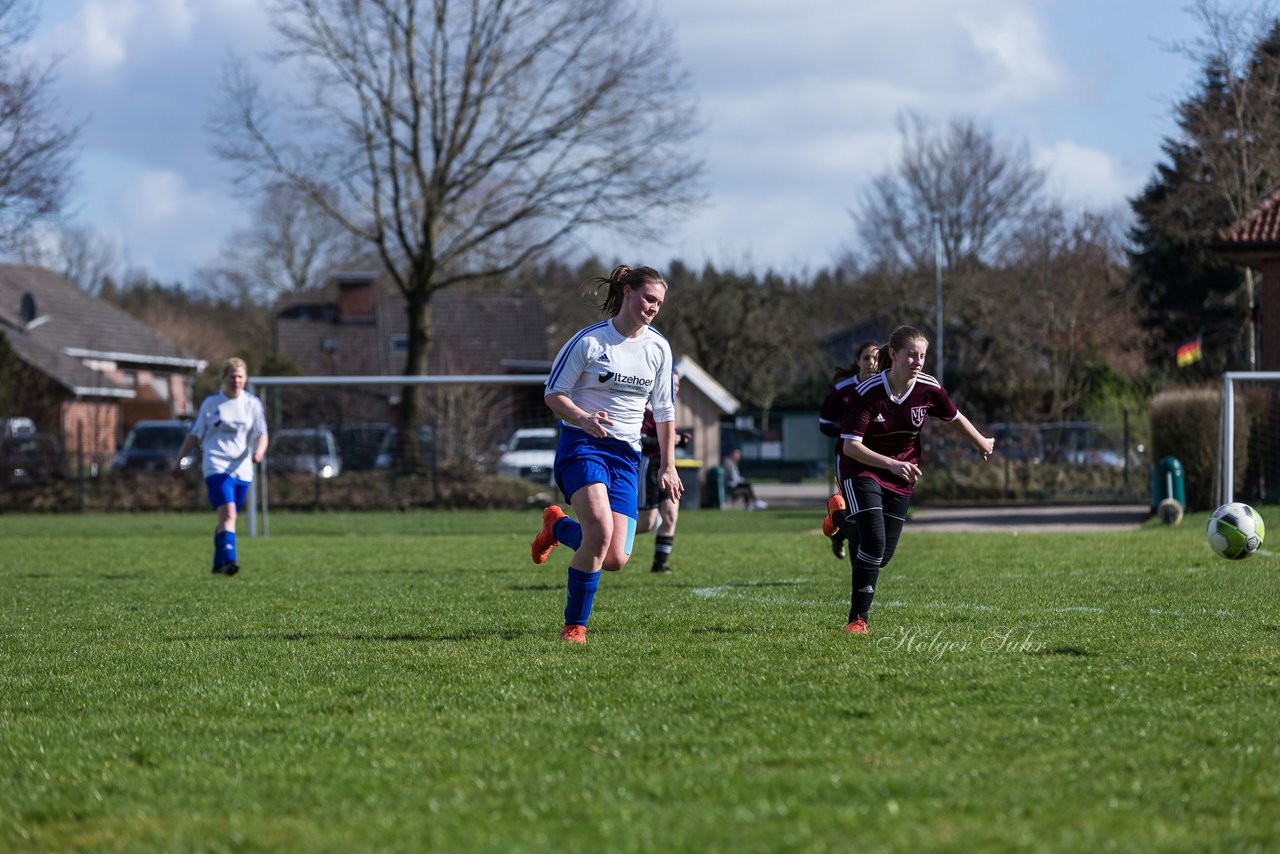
(1243, 393)
(258, 489)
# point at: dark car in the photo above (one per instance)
(152, 445)
(30, 459)
(360, 444)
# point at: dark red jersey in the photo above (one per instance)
(833, 408)
(891, 426)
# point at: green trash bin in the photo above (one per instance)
(713, 488)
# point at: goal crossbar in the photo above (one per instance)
(358, 380)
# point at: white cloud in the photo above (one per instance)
(96, 38)
(1018, 52)
(1081, 175)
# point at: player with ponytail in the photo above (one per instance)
(599, 385)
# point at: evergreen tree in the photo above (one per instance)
(1223, 161)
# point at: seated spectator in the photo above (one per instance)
(737, 486)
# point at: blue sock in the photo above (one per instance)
(568, 532)
(582, 591)
(219, 547)
(229, 546)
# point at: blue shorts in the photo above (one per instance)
(225, 489)
(582, 460)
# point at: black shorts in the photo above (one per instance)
(863, 493)
(648, 494)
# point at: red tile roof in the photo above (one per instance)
(1260, 225)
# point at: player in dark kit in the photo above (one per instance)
(844, 383)
(880, 429)
(657, 510)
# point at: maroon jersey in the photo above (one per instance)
(891, 426)
(833, 408)
(649, 434)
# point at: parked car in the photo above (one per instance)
(360, 445)
(29, 459)
(1084, 443)
(387, 450)
(152, 445)
(16, 427)
(309, 450)
(1019, 442)
(530, 453)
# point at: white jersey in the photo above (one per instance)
(228, 428)
(601, 370)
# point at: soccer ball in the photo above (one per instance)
(1235, 531)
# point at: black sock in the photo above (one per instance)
(865, 577)
(662, 550)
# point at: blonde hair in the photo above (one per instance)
(232, 364)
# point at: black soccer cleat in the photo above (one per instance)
(230, 568)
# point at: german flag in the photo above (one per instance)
(1189, 353)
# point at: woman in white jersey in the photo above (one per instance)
(599, 385)
(231, 429)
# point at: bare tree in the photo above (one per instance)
(461, 139)
(35, 150)
(292, 245)
(76, 252)
(961, 178)
(1062, 310)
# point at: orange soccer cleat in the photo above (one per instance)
(857, 627)
(834, 504)
(546, 540)
(574, 633)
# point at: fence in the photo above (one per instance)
(1034, 460)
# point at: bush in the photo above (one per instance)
(1185, 424)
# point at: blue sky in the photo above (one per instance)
(799, 99)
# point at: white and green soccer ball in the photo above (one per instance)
(1235, 531)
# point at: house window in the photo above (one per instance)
(28, 310)
(398, 343)
(329, 345)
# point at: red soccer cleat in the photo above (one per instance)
(834, 504)
(574, 634)
(857, 627)
(546, 540)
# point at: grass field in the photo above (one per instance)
(396, 682)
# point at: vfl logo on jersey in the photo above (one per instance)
(918, 415)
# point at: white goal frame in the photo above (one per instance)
(364, 381)
(1227, 427)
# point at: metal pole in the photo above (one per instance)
(937, 293)
(253, 491)
(1228, 438)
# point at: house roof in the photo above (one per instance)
(67, 326)
(1258, 229)
(693, 373)
(472, 332)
